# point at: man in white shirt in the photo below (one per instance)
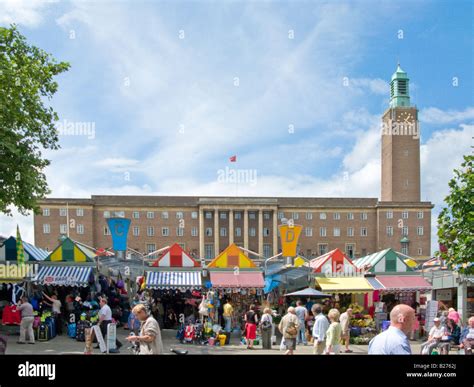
(436, 334)
(320, 327)
(105, 318)
(394, 340)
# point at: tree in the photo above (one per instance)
(26, 120)
(456, 221)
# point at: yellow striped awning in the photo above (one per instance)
(344, 285)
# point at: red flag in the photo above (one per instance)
(233, 159)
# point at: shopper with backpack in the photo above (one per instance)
(266, 325)
(288, 327)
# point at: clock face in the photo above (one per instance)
(406, 116)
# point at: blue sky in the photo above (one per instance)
(174, 89)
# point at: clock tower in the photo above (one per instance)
(400, 144)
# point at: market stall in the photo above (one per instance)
(15, 276)
(174, 281)
(233, 276)
(68, 273)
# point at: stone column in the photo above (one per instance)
(260, 232)
(275, 232)
(231, 226)
(201, 234)
(216, 232)
(462, 301)
(246, 229)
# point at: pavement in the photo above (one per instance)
(65, 345)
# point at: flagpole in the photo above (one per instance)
(67, 218)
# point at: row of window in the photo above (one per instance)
(238, 231)
(223, 215)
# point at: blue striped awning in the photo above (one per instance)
(375, 284)
(64, 275)
(173, 279)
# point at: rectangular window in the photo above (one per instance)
(389, 231)
(46, 212)
(223, 232)
(405, 230)
(266, 215)
(150, 215)
(419, 230)
(208, 215)
(309, 216)
(337, 216)
(106, 214)
(350, 216)
(46, 228)
(63, 212)
(136, 215)
(420, 251)
(150, 231)
(165, 231)
(350, 250)
(106, 230)
(180, 231)
(419, 215)
(405, 249)
(350, 231)
(136, 231)
(194, 215)
(405, 215)
(194, 232)
(267, 250)
(252, 231)
(363, 231)
(209, 250)
(119, 214)
(79, 212)
(150, 247)
(363, 215)
(308, 231)
(322, 232)
(251, 215)
(80, 229)
(223, 215)
(266, 231)
(295, 215)
(322, 216)
(165, 215)
(179, 215)
(209, 231)
(281, 215)
(389, 214)
(323, 248)
(63, 228)
(238, 215)
(337, 231)
(238, 232)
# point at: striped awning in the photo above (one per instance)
(173, 279)
(64, 275)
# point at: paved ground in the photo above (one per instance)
(65, 345)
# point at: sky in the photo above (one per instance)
(166, 91)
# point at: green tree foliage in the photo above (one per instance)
(456, 221)
(26, 121)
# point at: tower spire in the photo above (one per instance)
(399, 92)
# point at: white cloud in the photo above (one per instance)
(375, 86)
(434, 115)
(29, 13)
